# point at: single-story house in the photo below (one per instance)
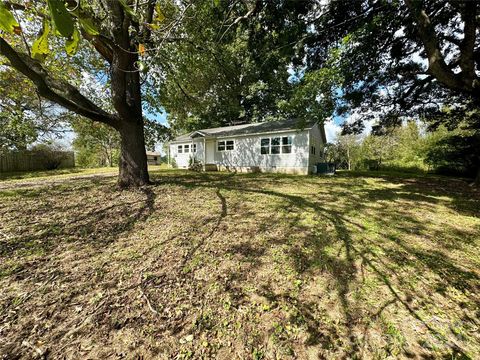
(153, 158)
(276, 146)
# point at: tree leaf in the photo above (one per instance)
(127, 9)
(71, 45)
(7, 20)
(141, 49)
(216, 3)
(61, 17)
(160, 17)
(40, 48)
(141, 66)
(88, 26)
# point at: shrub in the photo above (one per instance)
(51, 156)
(194, 164)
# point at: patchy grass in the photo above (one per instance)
(251, 266)
(66, 173)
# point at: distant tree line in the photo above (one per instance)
(409, 147)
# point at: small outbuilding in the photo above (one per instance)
(153, 158)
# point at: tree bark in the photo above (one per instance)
(133, 169)
(122, 55)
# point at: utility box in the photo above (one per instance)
(326, 168)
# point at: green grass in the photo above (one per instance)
(65, 173)
(255, 266)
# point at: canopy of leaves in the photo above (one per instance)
(24, 117)
(64, 36)
(231, 61)
(381, 54)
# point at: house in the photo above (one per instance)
(276, 146)
(153, 158)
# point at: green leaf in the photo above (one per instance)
(160, 16)
(7, 21)
(61, 17)
(40, 48)
(216, 3)
(141, 67)
(127, 9)
(71, 45)
(88, 26)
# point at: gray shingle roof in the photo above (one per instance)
(245, 129)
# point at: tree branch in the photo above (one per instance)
(467, 47)
(436, 62)
(55, 90)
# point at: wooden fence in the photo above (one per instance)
(30, 161)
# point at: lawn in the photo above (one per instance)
(65, 173)
(241, 266)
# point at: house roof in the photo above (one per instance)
(152, 153)
(245, 129)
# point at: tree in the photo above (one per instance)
(96, 144)
(231, 63)
(396, 59)
(24, 118)
(110, 30)
(345, 151)
(454, 152)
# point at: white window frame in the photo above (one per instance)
(186, 148)
(180, 149)
(288, 144)
(281, 146)
(277, 146)
(194, 148)
(224, 144)
(267, 147)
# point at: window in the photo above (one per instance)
(286, 145)
(194, 148)
(225, 145)
(179, 149)
(186, 148)
(276, 145)
(312, 150)
(265, 146)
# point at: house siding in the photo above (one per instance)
(247, 156)
(315, 140)
(182, 159)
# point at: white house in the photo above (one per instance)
(277, 146)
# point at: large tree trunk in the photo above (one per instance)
(477, 179)
(127, 100)
(133, 158)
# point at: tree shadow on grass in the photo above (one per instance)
(214, 228)
(453, 193)
(63, 217)
(343, 269)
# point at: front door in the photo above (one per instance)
(209, 151)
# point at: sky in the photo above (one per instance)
(332, 129)
(95, 85)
